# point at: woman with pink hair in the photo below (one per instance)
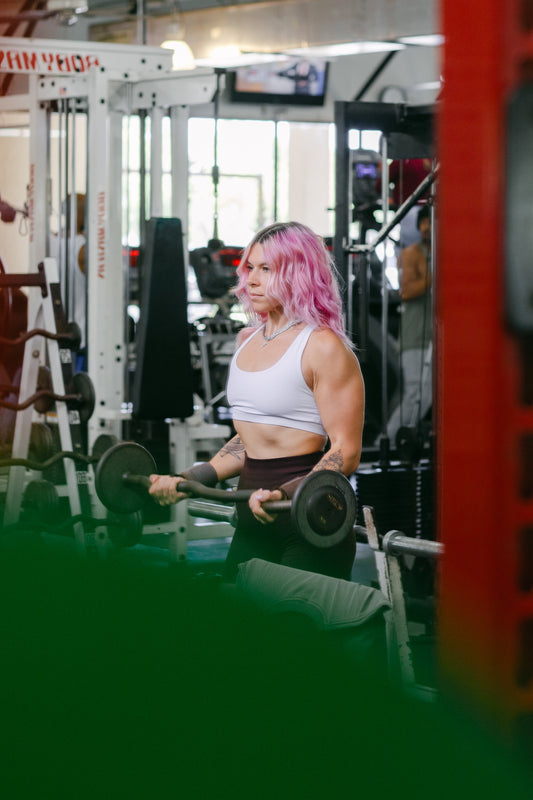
(297, 398)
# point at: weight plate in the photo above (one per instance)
(40, 501)
(83, 386)
(324, 508)
(45, 403)
(102, 444)
(125, 530)
(41, 442)
(72, 340)
(114, 493)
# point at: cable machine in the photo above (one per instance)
(407, 132)
(397, 480)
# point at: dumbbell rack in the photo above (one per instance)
(47, 313)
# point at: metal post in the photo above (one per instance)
(73, 212)
(142, 173)
(179, 120)
(342, 211)
(105, 347)
(215, 171)
(156, 166)
(384, 292)
(349, 259)
(38, 190)
(141, 22)
(60, 235)
(66, 283)
(181, 457)
(276, 167)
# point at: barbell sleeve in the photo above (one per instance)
(397, 543)
(209, 510)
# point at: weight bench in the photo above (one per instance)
(353, 616)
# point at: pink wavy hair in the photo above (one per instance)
(302, 279)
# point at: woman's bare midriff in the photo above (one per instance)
(277, 441)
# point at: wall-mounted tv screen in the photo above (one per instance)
(294, 81)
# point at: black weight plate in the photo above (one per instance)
(114, 493)
(83, 385)
(102, 444)
(44, 384)
(125, 530)
(324, 508)
(40, 501)
(72, 340)
(41, 442)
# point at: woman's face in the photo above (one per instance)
(258, 272)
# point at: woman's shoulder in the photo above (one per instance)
(322, 336)
(324, 343)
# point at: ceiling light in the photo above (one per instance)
(345, 49)
(427, 40)
(232, 56)
(182, 55)
(67, 5)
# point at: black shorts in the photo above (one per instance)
(278, 542)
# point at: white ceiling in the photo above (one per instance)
(265, 26)
(271, 25)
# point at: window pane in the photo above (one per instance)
(245, 156)
(166, 155)
(167, 195)
(239, 215)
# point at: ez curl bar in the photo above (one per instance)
(70, 338)
(81, 398)
(323, 508)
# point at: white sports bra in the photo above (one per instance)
(277, 395)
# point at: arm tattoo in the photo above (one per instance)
(332, 460)
(233, 448)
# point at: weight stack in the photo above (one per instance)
(163, 381)
(392, 493)
(425, 500)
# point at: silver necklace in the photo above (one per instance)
(277, 333)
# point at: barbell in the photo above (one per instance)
(323, 509)
(81, 398)
(69, 339)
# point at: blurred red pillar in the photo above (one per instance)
(483, 421)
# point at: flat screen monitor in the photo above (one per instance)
(294, 81)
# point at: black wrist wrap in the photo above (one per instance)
(202, 473)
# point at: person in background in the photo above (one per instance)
(297, 398)
(416, 327)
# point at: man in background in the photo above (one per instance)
(416, 328)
